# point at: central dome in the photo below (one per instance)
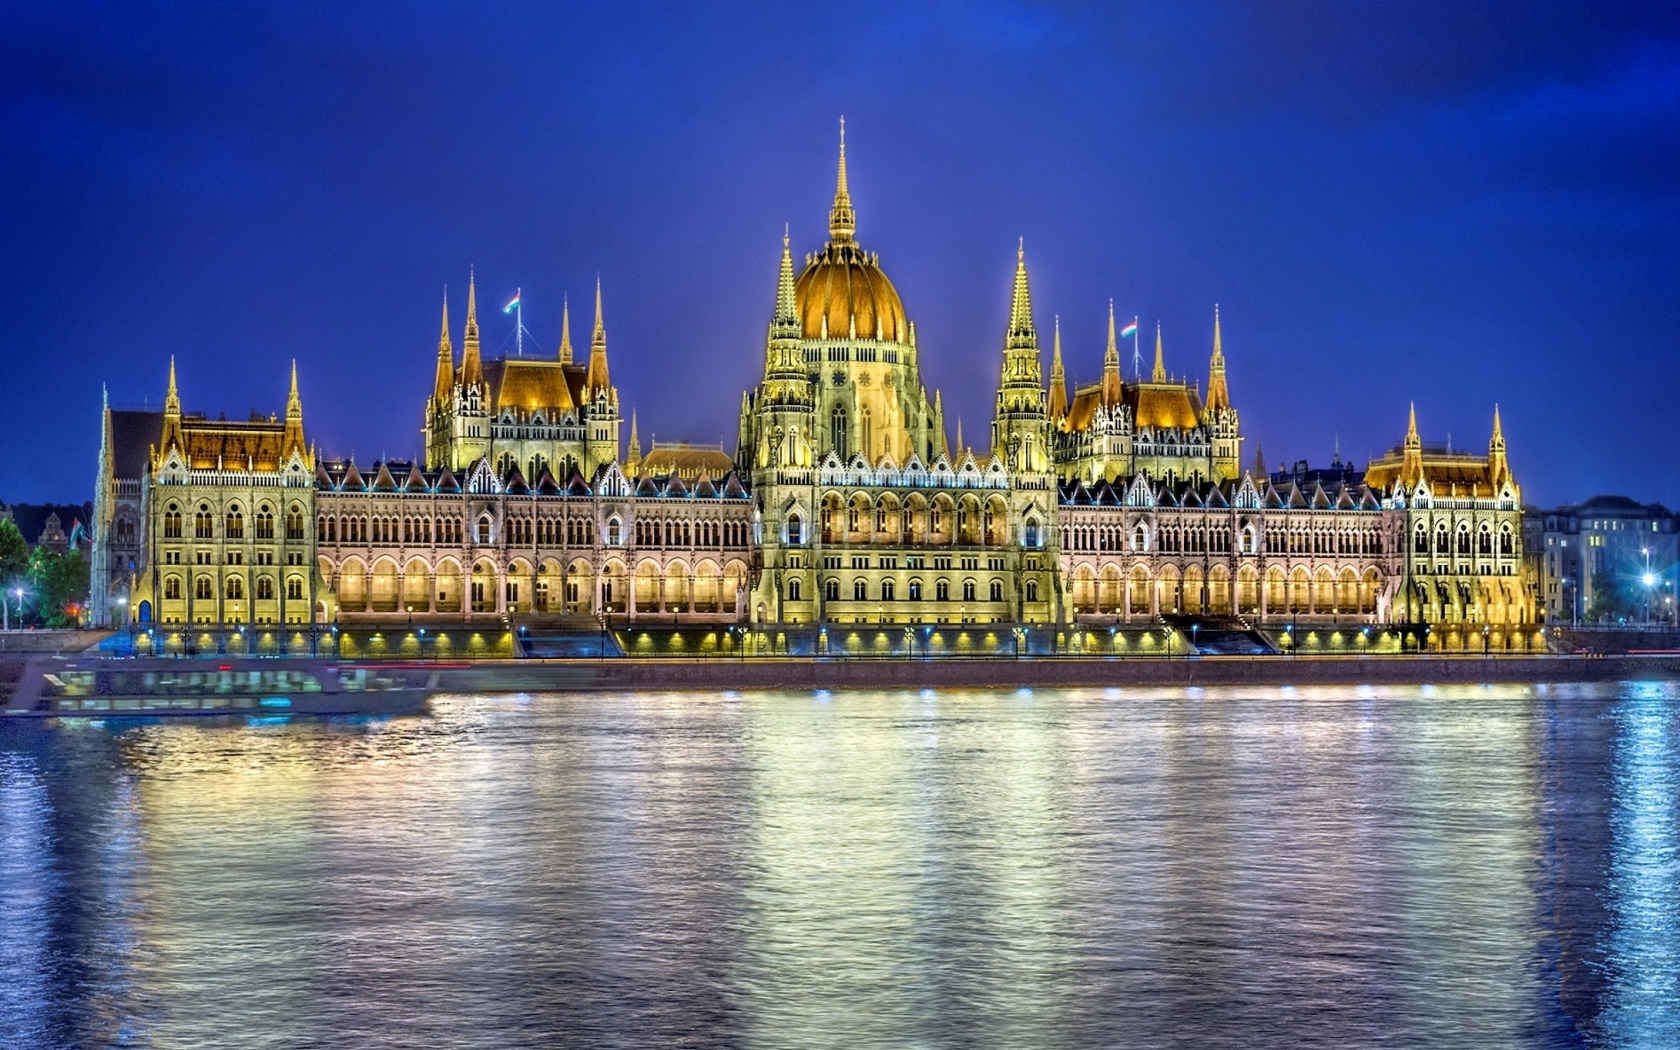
(843, 286)
(843, 290)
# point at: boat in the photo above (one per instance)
(49, 687)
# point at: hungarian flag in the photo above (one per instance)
(1129, 330)
(513, 304)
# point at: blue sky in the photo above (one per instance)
(1389, 203)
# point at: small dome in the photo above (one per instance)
(843, 283)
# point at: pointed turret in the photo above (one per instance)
(1058, 378)
(565, 330)
(633, 455)
(446, 358)
(598, 381)
(842, 221)
(1218, 396)
(1020, 302)
(1159, 373)
(1260, 472)
(1411, 452)
(293, 440)
(944, 446)
(472, 368)
(171, 437)
(1111, 384)
(1020, 430)
(1499, 468)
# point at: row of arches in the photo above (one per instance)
(916, 521)
(706, 587)
(232, 520)
(1111, 590)
(1464, 541)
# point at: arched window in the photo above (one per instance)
(265, 523)
(997, 590)
(265, 588)
(1464, 539)
(1505, 540)
(613, 527)
(866, 436)
(235, 587)
(294, 523)
(1032, 590)
(968, 590)
(796, 530)
(294, 588)
(839, 432)
(887, 590)
(235, 524)
(831, 590)
(793, 590)
(1140, 539)
(915, 590)
(202, 588)
(860, 590)
(1031, 536)
(172, 523)
(1484, 541)
(942, 591)
(203, 523)
(172, 588)
(482, 535)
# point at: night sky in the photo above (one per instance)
(1419, 201)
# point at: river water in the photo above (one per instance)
(1452, 867)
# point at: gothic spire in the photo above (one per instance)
(1111, 364)
(1058, 378)
(1020, 302)
(633, 455)
(598, 380)
(1159, 373)
(1218, 395)
(1411, 455)
(565, 330)
(172, 397)
(842, 221)
(294, 403)
(787, 306)
(446, 357)
(472, 368)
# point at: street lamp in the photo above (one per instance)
(1648, 580)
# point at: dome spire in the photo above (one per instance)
(842, 221)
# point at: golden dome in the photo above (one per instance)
(844, 284)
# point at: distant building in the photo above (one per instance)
(49, 525)
(1607, 541)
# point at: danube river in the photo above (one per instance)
(1463, 867)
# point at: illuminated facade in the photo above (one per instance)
(843, 502)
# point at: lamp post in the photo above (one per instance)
(1648, 580)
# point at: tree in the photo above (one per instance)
(14, 552)
(1611, 600)
(58, 587)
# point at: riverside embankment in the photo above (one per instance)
(774, 673)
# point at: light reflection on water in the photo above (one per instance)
(1460, 866)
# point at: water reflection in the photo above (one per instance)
(1397, 867)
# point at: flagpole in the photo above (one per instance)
(519, 321)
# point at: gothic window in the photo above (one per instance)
(1484, 541)
(1032, 590)
(839, 432)
(294, 523)
(235, 524)
(539, 463)
(1422, 540)
(793, 590)
(202, 588)
(1505, 540)
(831, 590)
(1031, 539)
(294, 588)
(860, 591)
(1140, 539)
(796, 530)
(172, 588)
(172, 523)
(942, 591)
(265, 588)
(483, 533)
(968, 590)
(866, 443)
(1442, 546)
(265, 523)
(887, 590)
(235, 588)
(997, 590)
(1464, 539)
(203, 523)
(612, 531)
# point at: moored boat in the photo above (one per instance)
(148, 688)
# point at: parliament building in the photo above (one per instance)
(1118, 505)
